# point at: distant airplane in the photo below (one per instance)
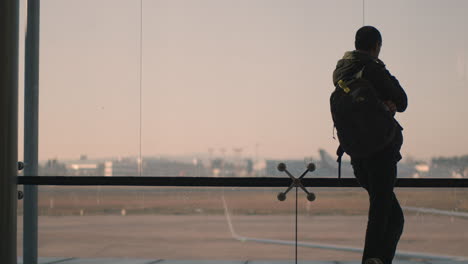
(327, 166)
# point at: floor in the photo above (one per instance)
(164, 261)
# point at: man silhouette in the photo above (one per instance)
(378, 172)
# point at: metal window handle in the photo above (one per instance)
(20, 167)
(296, 182)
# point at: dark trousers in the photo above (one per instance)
(385, 220)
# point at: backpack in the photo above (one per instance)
(363, 122)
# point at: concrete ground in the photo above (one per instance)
(201, 237)
(164, 261)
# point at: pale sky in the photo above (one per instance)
(240, 73)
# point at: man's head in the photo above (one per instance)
(369, 40)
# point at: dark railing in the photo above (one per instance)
(227, 181)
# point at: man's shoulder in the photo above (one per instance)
(360, 56)
(357, 59)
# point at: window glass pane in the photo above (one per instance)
(434, 219)
(160, 223)
(425, 47)
(238, 223)
(223, 85)
(89, 85)
(232, 84)
(226, 86)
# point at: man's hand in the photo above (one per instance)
(391, 106)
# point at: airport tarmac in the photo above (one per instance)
(207, 237)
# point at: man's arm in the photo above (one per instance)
(387, 86)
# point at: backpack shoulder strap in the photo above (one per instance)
(339, 153)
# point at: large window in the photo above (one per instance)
(222, 88)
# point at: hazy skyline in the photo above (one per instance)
(238, 74)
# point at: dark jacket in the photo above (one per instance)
(386, 85)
